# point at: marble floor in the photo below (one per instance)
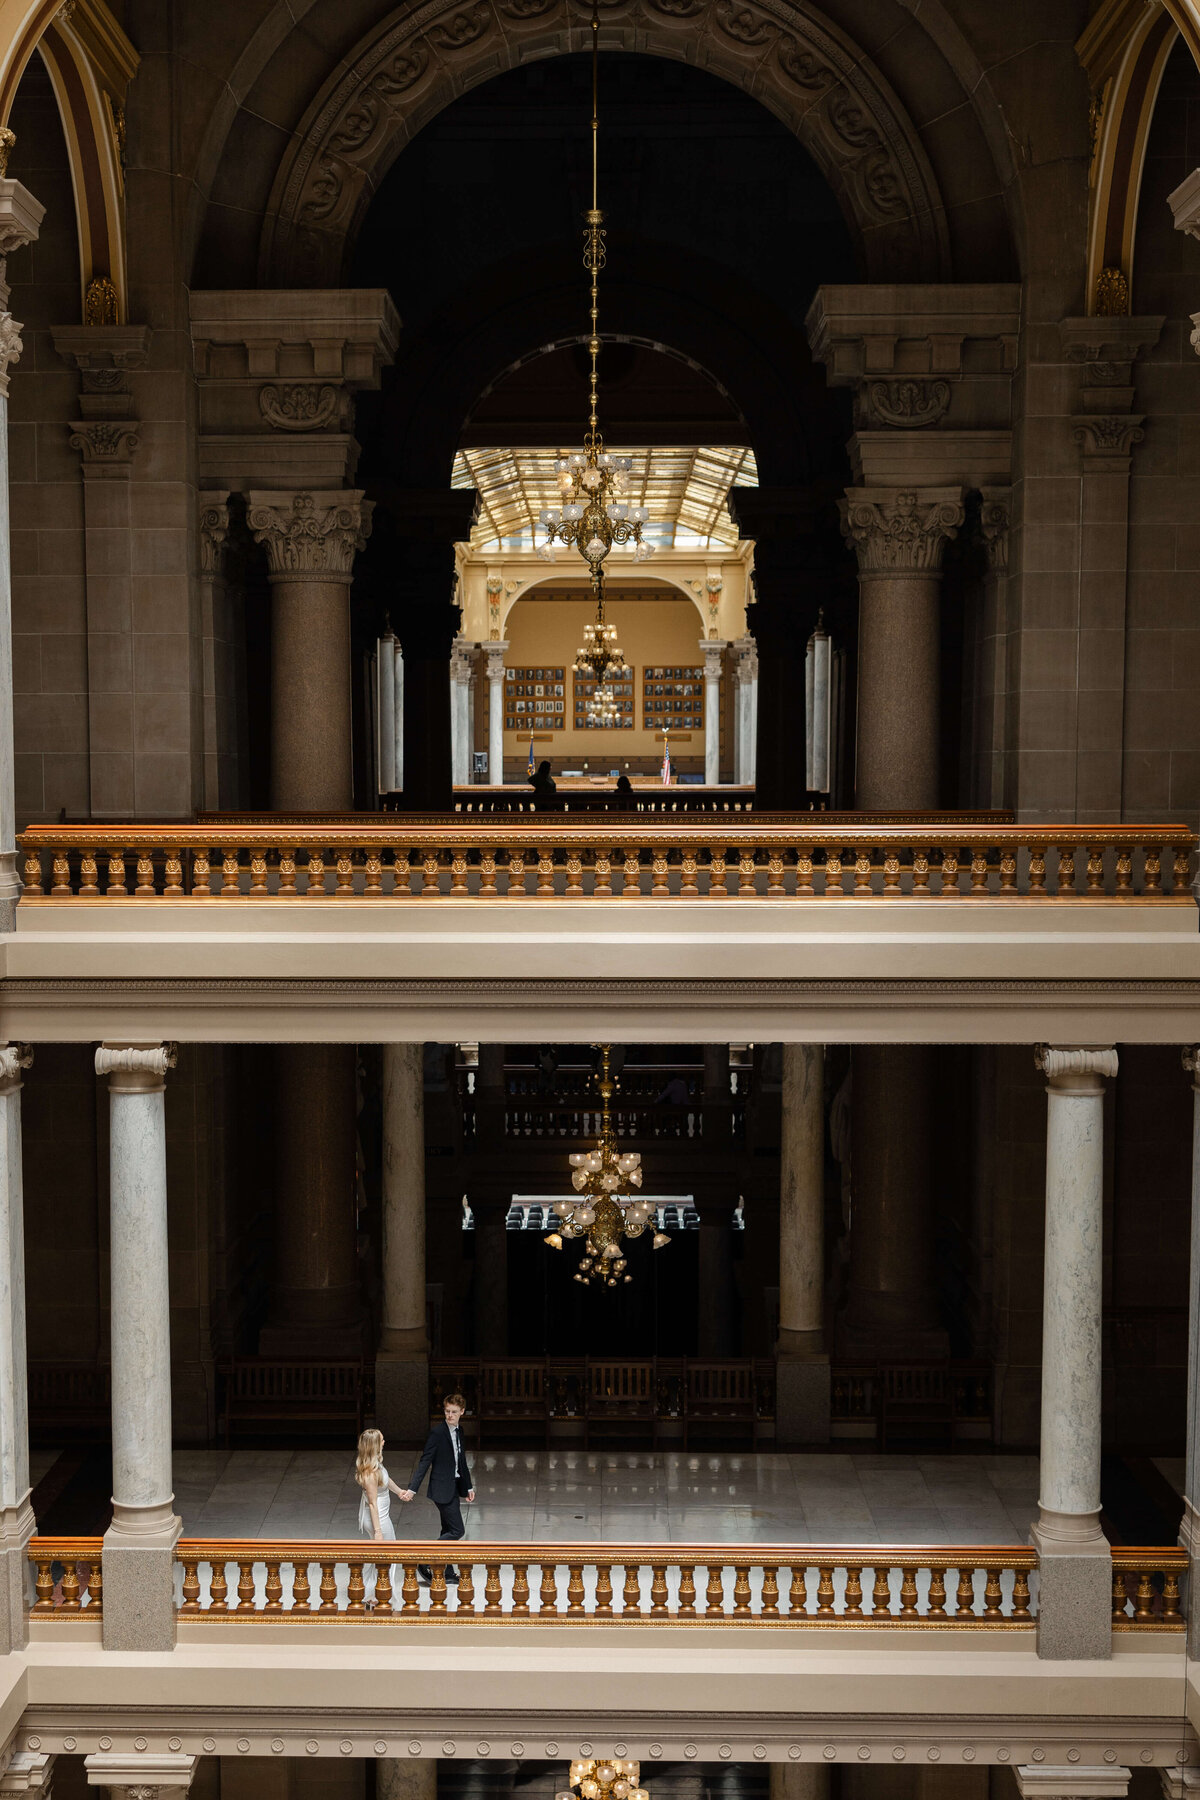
(630, 1497)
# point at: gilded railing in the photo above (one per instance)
(67, 1576)
(1145, 1592)
(552, 857)
(631, 1584)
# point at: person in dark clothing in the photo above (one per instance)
(543, 783)
(625, 789)
(445, 1459)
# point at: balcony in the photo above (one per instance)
(420, 928)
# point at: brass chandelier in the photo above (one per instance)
(594, 515)
(617, 1778)
(602, 707)
(606, 1211)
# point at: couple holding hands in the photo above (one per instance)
(445, 1460)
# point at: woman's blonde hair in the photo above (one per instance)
(370, 1450)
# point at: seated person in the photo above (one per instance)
(543, 782)
(624, 790)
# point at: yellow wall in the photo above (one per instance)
(654, 632)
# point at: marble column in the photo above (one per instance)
(16, 1514)
(713, 652)
(799, 1781)
(491, 1277)
(413, 1779)
(402, 1361)
(1189, 1530)
(460, 711)
(316, 1307)
(1075, 1604)
(495, 678)
(802, 1399)
(139, 1609)
(385, 709)
(745, 703)
(20, 219)
(422, 529)
(900, 538)
(892, 1308)
(311, 541)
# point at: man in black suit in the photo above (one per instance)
(445, 1457)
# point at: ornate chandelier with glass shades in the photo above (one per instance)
(618, 1778)
(606, 1210)
(594, 515)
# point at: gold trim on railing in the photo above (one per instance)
(582, 858)
(79, 1589)
(1145, 1593)
(381, 1584)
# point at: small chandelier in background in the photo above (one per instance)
(600, 658)
(617, 1779)
(603, 712)
(606, 1211)
(594, 514)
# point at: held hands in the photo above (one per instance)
(406, 1493)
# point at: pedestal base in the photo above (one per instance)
(17, 1526)
(402, 1396)
(138, 1567)
(1074, 1621)
(802, 1401)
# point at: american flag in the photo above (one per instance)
(666, 768)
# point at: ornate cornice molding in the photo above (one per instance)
(901, 533)
(310, 537)
(800, 65)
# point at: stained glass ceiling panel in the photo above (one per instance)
(684, 489)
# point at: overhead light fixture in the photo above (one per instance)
(594, 513)
(618, 1778)
(608, 1209)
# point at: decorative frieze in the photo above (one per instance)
(897, 532)
(310, 537)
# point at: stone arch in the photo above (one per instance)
(796, 63)
(673, 590)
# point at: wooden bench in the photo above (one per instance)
(721, 1394)
(917, 1399)
(258, 1391)
(621, 1395)
(70, 1398)
(512, 1392)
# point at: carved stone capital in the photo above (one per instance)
(462, 661)
(102, 349)
(1191, 1062)
(714, 658)
(901, 533)
(495, 653)
(214, 529)
(1108, 435)
(136, 1068)
(745, 662)
(1075, 1068)
(299, 405)
(10, 347)
(14, 1058)
(106, 445)
(310, 537)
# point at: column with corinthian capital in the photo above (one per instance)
(402, 1360)
(745, 710)
(713, 652)
(139, 1603)
(1075, 1603)
(899, 537)
(311, 541)
(16, 1514)
(495, 677)
(462, 657)
(20, 218)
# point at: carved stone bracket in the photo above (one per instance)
(310, 537)
(20, 221)
(901, 533)
(106, 445)
(906, 404)
(1106, 439)
(214, 529)
(299, 405)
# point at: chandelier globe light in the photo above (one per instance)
(594, 513)
(614, 1778)
(608, 1209)
(602, 708)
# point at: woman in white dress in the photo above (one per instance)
(375, 1507)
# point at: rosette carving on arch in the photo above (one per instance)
(792, 59)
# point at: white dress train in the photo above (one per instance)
(383, 1503)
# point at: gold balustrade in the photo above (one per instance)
(755, 857)
(904, 1585)
(76, 1587)
(1145, 1592)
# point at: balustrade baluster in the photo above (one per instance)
(891, 874)
(1181, 871)
(602, 876)
(231, 873)
(716, 874)
(1037, 869)
(401, 875)
(301, 1588)
(920, 866)
(1170, 1597)
(328, 1588)
(144, 889)
(575, 1587)
(1143, 1602)
(688, 883)
(274, 1591)
(687, 1590)
(62, 874)
(659, 886)
(70, 1588)
(574, 887)
(44, 1583)
(95, 1586)
(545, 874)
(950, 875)
(1020, 1605)
(862, 874)
(714, 1593)
(1008, 871)
(410, 1592)
(937, 1594)
(33, 873)
(881, 1593)
(466, 1588)
(775, 884)
(631, 874)
(491, 1588)
(458, 874)
(191, 1585)
(172, 874)
(804, 872)
(631, 1592)
(218, 1587)
(431, 875)
(604, 1590)
(908, 1591)
(516, 875)
(372, 872)
(548, 1591)
(980, 867)
(658, 1589)
(287, 873)
(747, 875)
(824, 1589)
(854, 1592)
(833, 874)
(770, 1591)
(383, 1587)
(1066, 871)
(1152, 870)
(1095, 870)
(316, 876)
(487, 885)
(964, 1597)
(520, 1603)
(258, 875)
(356, 1590)
(116, 875)
(437, 1587)
(88, 884)
(245, 1585)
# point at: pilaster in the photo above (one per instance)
(219, 683)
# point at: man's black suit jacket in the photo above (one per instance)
(438, 1458)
